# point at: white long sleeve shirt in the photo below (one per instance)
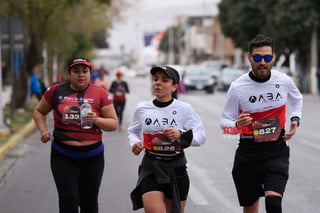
(149, 118)
(261, 99)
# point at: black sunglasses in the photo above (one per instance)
(266, 58)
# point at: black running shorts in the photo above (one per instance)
(149, 184)
(252, 177)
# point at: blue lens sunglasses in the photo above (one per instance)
(266, 58)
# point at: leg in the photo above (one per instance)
(183, 185)
(252, 209)
(169, 204)
(273, 202)
(121, 108)
(91, 175)
(66, 176)
(153, 202)
(247, 177)
(275, 182)
(117, 108)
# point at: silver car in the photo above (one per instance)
(198, 78)
(228, 75)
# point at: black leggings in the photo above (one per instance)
(119, 107)
(77, 181)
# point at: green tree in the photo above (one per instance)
(289, 23)
(177, 45)
(241, 20)
(66, 28)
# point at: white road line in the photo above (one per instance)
(311, 144)
(197, 197)
(208, 185)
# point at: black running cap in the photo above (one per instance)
(169, 71)
(79, 60)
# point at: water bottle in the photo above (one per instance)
(84, 109)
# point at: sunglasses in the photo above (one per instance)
(266, 58)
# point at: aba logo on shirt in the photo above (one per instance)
(160, 122)
(265, 98)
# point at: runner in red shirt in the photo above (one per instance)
(77, 157)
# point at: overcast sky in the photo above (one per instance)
(153, 15)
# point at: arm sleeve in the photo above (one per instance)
(135, 129)
(127, 87)
(295, 100)
(231, 109)
(194, 123)
(112, 88)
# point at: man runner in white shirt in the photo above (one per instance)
(256, 107)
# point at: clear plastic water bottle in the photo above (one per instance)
(84, 109)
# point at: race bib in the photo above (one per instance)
(266, 130)
(71, 115)
(160, 143)
(118, 93)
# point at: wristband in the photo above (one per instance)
(295, 118)
(182, 132)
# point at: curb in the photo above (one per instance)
(16, 138)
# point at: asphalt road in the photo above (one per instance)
(26, 184)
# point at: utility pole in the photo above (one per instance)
(171, 45)
(222, 47)
(314, 60)
(45, 65)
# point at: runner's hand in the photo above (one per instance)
(91, 117)
(46, 136)
(293, 128)
(137, 148)
(244, 119)
(172, 134)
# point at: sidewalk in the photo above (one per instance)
(17, 137)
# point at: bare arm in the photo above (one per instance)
(39, 116)
(108, 120)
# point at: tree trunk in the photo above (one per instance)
(32, 58)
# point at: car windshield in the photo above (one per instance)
(214, 67)
(197, 71)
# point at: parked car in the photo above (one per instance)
(215, 68)
(198, 78)
(228, 75)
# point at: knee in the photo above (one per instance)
(273, 204)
